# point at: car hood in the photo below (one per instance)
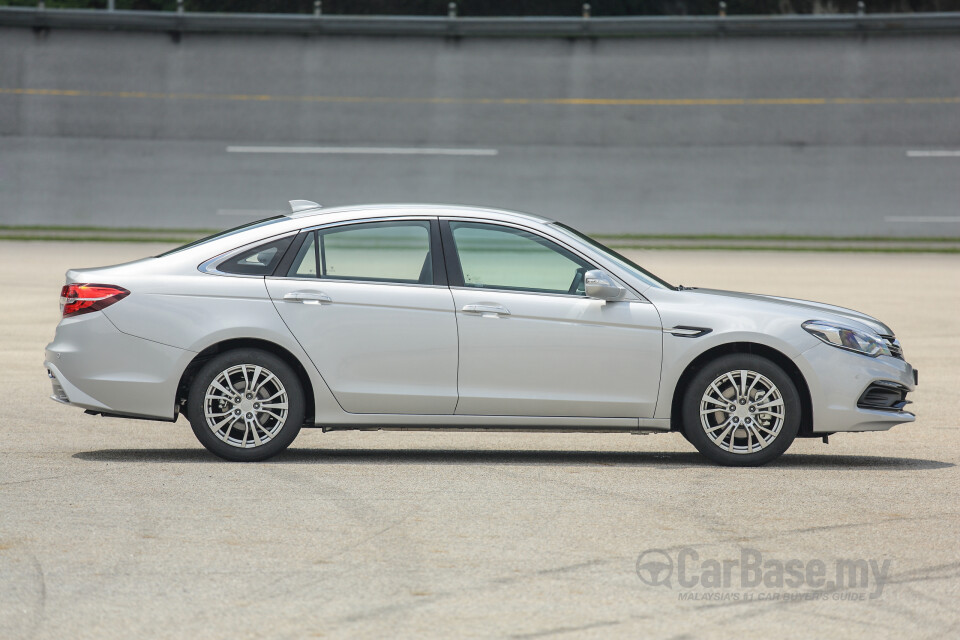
(816, 310)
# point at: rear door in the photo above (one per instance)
(369, 304)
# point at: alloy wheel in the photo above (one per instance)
(742, 411)
(245, 406)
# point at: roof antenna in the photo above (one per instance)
(297, 206)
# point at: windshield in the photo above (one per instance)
(626, 263)
(224, 234)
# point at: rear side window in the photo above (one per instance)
(258, 261)
(375, 251)
(305, 264)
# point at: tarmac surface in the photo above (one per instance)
(118, 529)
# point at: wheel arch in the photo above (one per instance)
(186, 379)
(752, 348)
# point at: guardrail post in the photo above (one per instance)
(41, 5)
(111, 5)
(452, 10)
(861, 8)
(586, 10)
(179, 6)
(317, 8)
(722, 10)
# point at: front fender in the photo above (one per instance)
(680, 352)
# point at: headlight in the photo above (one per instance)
(869, 344)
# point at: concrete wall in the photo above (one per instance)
(133, 128)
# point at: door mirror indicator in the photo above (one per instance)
(598, 284)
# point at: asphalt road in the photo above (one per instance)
(710, 135)
(117, 529)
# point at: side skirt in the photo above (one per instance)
(519, 424)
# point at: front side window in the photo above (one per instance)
(376, 251)
(497, 257)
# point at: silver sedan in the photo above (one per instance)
(458, 318)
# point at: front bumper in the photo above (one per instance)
(94, 366)
(837, 380)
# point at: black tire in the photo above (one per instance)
(730, 429)
(275, 433)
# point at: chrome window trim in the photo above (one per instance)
(343, 223)
(544, 293)
(521, 292)
(346, 281)
(209, 266)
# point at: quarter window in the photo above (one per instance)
(259, 261)
(496, 257)
(376, 251)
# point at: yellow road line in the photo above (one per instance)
(613, 102)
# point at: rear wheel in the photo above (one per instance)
(741, 410)
(246, 405)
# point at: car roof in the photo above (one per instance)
(463, 211)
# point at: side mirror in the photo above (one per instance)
(598, 284)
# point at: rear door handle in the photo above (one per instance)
(486, 309)
(308, 297)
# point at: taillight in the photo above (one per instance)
(76, 299)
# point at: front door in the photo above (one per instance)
(369, 304)
(532, 343)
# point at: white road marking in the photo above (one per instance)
(258, 213)
(933, 153)
(922, 218)
(385, 151)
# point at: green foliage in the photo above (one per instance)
(57, 4)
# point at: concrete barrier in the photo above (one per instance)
(442, 26)
(804, 135)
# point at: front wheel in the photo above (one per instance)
(246, 405)
(741, 410)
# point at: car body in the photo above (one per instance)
(450, 317)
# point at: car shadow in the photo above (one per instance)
(512, 457)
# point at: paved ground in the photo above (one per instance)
(117, 529)
(647, 135)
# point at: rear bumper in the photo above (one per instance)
(93, 366)
(837, 379)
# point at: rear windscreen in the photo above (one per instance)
(224, 234)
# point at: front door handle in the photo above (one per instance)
(308, 297)
(486, 309)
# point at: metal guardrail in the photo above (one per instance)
(447, 26)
